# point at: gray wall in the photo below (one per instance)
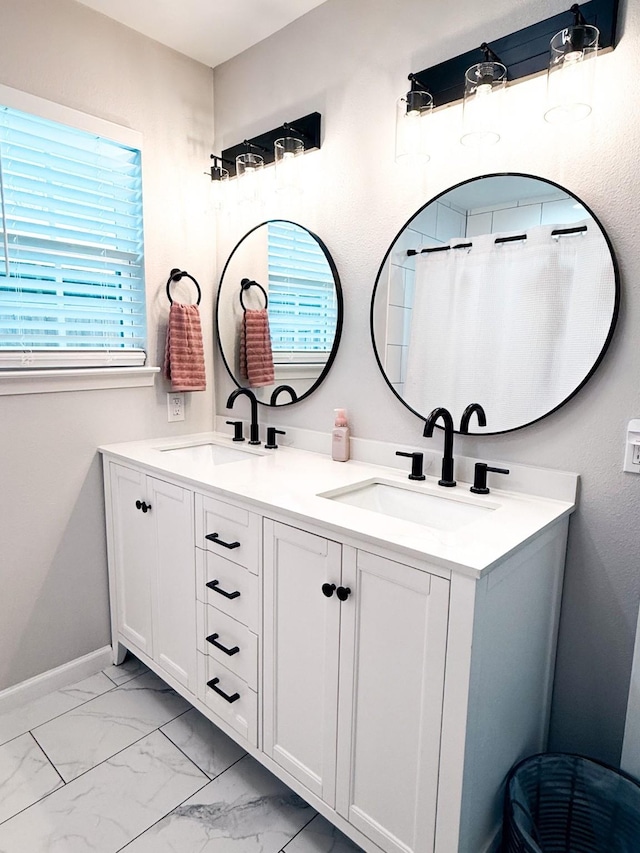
(349, 59)
(53, 578)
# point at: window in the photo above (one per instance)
(303, 306)
(71, 246)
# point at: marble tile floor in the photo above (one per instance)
(119, 761)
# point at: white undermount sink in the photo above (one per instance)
(439, 512)
(208, 454)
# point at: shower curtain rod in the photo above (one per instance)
(557, 232)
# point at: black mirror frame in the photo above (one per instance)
(614, 318)
(339, 318)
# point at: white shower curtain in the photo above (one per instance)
(514, 326)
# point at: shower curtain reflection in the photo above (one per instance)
(503, 323)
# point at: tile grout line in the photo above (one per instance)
(39, 745)
(115, 683)
(188, 757)
(302, 828)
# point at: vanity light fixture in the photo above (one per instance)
(484, 84)
(571, 73)
(412, 124)
(523, 54)
(305, 130)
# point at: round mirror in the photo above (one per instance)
(503, 291)
(279, 312)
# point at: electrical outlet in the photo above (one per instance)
(175, 407)
(635, 454)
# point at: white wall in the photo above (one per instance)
(349, 59)
(53, 579)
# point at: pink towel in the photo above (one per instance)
(184, 353)
(256, 358)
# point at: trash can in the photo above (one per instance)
(561, 803)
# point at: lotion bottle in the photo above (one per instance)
(340, 437)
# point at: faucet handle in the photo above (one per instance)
(237, 430)
(272, 432)
(480, 477)
(417, 460)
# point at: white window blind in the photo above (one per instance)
(71, 247)
(303, 307)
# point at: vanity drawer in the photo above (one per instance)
(230, 531)
(227, 587)
(240, 707)
(216, 632)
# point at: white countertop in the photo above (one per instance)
(290, 481)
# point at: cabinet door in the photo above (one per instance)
(301, 645)
(172, 555)
(392, 654)
(132, 540)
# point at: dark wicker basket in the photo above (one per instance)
(559, 803)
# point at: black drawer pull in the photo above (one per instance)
(328, 589)
(343, 593)
(214, 586)
(143, 505)
(215, 537)
(213, 685)
(213, 640)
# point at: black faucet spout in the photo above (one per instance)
(254, 437)
(466, 417)
(447, 459)
(277, 391)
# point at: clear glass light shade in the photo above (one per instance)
(571, 75)
(248, 169)
(412, 127)
(287, 152)
(219, 184)
(484, 86)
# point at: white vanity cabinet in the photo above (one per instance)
(354, 659)
(151, 548)
(391, 677)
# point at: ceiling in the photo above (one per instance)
(210, 31)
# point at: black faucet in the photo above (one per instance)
(447, 459)
(255, 427)
(466, 417)
(277, 391)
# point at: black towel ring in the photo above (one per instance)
(176, 275)
(245, 284)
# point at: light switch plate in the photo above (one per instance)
(632, 447)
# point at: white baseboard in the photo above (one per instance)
(54, 679)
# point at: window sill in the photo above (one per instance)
(74, 379)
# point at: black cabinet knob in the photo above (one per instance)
(328, 589)
(145, 507)
(343, 592)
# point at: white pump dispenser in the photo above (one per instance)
(340, 437)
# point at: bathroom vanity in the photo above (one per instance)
(385, 648)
